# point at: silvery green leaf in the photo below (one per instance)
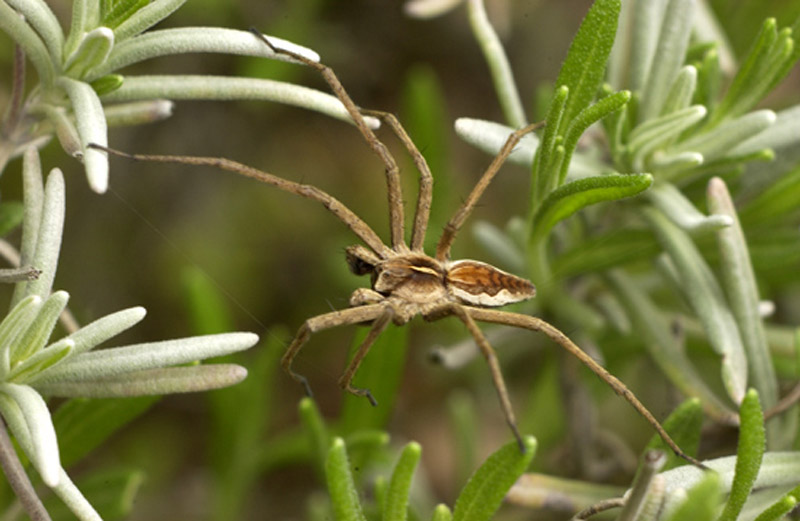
(44, 22)
(92, 335)
(14, 325)
(740, 284)
(48, 237)
(646, 28)
(35, 338)
(669, 165)
(91, 124)
(182, 40)
(72, 497)
(721, 140)
(778, 475)
(490, 137)
(120, 360)
(67, 134)
(33, 201)
(500, 69)
(138, 112)
(673, 41)
(783, 134)
(654, 329)
(138, 88)
(39, 426)
(41, 360)
(168, 380)
(429, 8)
(93, 50)
(646, 480)
(78, 25)
(146, 17)
(682, 90)
(13, 24)
(658, 132)
(701, 289)
(499, 245)
(682, 212)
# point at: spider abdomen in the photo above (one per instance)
(480, 284)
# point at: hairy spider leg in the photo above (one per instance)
(452, 227)
(336, 207)
(330, 320)
(494, 367)
(378, 326)
(425, 193)
(396, 217)
(531, 323)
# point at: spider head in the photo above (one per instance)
(361, 260)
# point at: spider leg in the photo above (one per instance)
(392, 171)
(494, 366)
(425, 195)
(378, 326)
(536, 324)
(347, 216)
(321, 322)
(452, 227)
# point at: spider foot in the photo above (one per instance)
(302, 380)
(363, 392)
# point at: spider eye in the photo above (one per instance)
(360, 260)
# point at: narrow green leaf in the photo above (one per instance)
(92, 128)
(745, 75)
(121, 11)
(701, 502)
(47, 237)
(682, 91)
(92, 335)
(667, 198)
(585, 118)
(684, 426)
(14, 325)
(442, 513)
(93, 50)
(487, 487)
(749, 454)
(673, 41)
(395, 504)
(319, 439)
(151, 382)
(342, 489)
(82, 424)
(646, 484)
(742, 290)
(660, 132)
(42, 19)
(178, 86)
(14, 25)
(698, 284)
(574, 196)
(41, 360)
(146, 17)
(777, 511)
(499, 67)
(542, 176)
(35, 338)
(585, 64)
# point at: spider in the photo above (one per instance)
(406, 281)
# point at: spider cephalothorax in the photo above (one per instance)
(405, 281)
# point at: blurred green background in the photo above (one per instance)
(279, 259)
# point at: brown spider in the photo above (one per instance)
(405, 281)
